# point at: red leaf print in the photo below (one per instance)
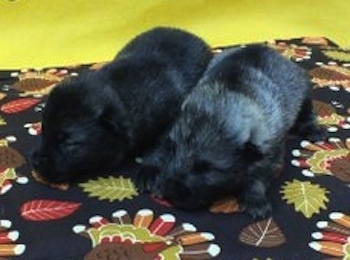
(44, 210)
(18, 105)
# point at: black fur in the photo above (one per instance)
(95, 121)
(229, 138)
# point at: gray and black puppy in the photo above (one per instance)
(229, 138)
(94, 122)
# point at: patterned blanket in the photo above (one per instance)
(106, 218)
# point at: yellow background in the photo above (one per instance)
(39, 33)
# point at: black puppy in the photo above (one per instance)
(95, 121)
(229, 138)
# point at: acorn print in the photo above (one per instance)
(333, 236)
(324, 158)
(9, 160)
(38, 82)
(146, 237)
(331, 75)
(328, 116)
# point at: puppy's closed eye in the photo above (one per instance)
(202, 165)
(63, 136)
(71, 138)
(212, 169)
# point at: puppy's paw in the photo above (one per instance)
(312, 132)
(145, 178)
(258, 209)
(317, 134)
(253, 200)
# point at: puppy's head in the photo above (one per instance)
(83, 131)
(196, 173)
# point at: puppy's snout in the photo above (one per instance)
(156, 193)
(38, 160)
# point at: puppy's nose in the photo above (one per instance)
(157, 194)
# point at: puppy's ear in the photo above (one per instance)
(113, 120)
(250, 152)
(169, 145)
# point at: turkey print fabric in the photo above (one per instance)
(105, 217)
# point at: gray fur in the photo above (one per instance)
(230, 135)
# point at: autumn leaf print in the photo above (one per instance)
(264, 233)
(306, 197)
(338, 54)
(110, 188)
(2, 121)
(44, 210)
(225, 206)
(18, 105)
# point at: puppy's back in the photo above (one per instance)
(185, 50)
(275, 84)
(152, 75)
(242, 64)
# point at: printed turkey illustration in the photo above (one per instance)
(323, 109)
(328, 158)
(145, 236)
(331, 74)
(328, 116)
(125, 251)
(38, 82)
(10, 158)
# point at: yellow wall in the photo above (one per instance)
(38, 33)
